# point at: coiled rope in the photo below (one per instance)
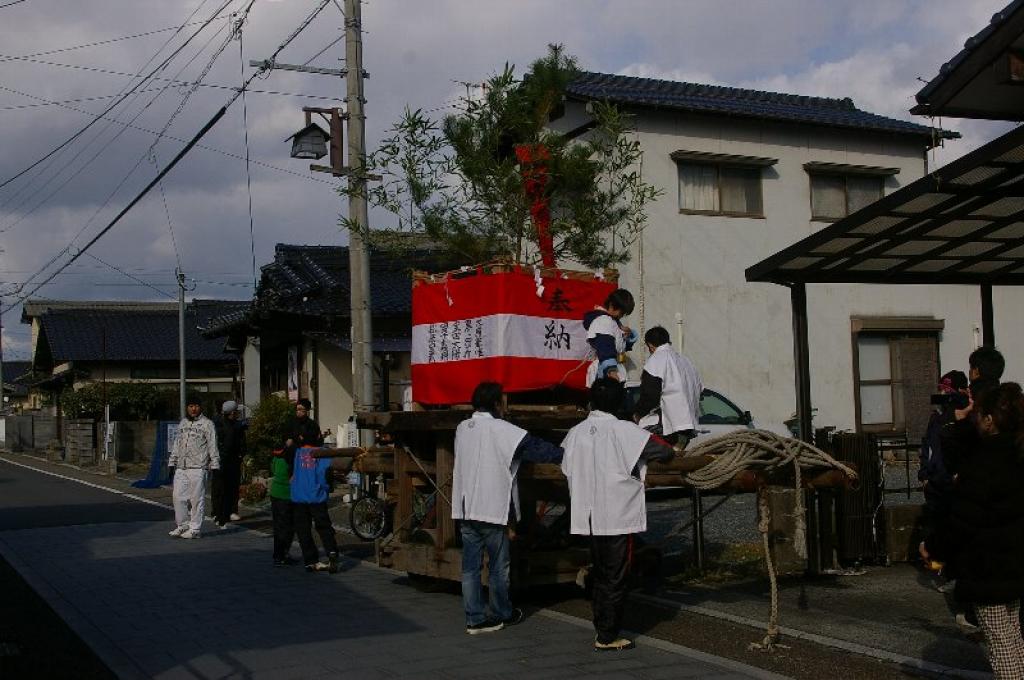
(763, 451)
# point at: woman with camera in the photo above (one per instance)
(985, 540)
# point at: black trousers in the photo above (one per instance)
(306, 515)
(610, 558)
(224, 491)
(284, 526)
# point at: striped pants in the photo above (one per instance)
(1001, 625)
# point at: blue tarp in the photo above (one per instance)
(158, 465)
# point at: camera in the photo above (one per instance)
(954, 399)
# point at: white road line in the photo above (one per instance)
(131, 496)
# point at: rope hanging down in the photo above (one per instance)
(763, 451)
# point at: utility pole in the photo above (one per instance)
(181, 343)
(358, 249)
(358, 218)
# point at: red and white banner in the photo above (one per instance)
(468, 329)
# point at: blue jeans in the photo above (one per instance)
(476, 538)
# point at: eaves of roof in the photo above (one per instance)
(739, 102)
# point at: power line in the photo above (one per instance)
(177, 158)
(12, 3)
(122, 93)
(179, 139)
(108, 41)
(133, 278)
(124, 211)
(167, 212)
(301, 95)
(329, 46)
(96, 155)
(110, 108)
(150, 151)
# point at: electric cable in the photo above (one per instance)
(133, 278)
(110, 108)
(108, 41)
(20, 107)
(124, 93)
(124, 211)
(177, 158)
(329, 46)
(214, 149)
(96, 155)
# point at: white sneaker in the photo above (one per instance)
(177, 531)
(235, 517)
(190, 533)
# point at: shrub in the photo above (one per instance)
(268, 428)
(252, 493)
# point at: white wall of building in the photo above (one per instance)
(739, 333)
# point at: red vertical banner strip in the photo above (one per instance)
(533, 165)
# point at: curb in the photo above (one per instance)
(906, 662)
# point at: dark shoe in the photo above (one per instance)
(516, 618)
(617, 645)
(489, 626)
(284, 562)
(332, 563)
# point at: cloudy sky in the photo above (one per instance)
(418, 53)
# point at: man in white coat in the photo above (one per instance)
(488, 451)
(670, 389)
(193, 454)
(605, 463)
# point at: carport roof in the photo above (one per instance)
(962, 224)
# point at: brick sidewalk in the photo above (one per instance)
(152, 606)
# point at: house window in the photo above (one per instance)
(836, 196)
(720, 184)
(896, 371)
(720, 189)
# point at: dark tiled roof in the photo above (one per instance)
(314, 280)
(98, 335)
(732, 101)
(12, 371)
(985, 40)
(15, 369)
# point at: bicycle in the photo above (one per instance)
(370, 517)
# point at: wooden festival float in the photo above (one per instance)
(521, 326)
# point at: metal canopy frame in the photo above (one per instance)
(960, 225)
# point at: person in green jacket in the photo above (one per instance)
(281, 510)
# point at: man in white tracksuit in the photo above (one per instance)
(670, 389)
(193, 454)
(488, 451)
(605, 464)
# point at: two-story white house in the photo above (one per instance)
(746, 173)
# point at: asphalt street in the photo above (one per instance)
(151, 606)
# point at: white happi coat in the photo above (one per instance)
(605, 498)
(606, 325)
(680, 389)
(485, 473)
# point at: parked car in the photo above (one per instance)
(718, 415)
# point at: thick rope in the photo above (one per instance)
(763, 451)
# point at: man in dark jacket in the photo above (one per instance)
(226, 481)
(302, 431)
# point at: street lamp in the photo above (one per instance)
(310, 142)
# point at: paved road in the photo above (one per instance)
(152, 606)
